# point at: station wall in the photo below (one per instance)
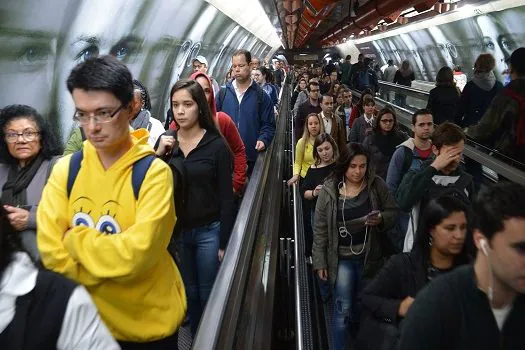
(41, 41)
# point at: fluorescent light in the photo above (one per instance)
(452, 16)
(250, 15)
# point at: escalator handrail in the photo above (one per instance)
(210, 326)
(404, 117)
(406, 90)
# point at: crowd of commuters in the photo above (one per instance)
(93, 237)
(113, 241)
(397, 227)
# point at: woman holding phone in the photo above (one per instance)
(353, 212)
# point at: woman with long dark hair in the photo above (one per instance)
(353, 212)
(202, 166)
(444, 98)
(383, 140)
(28, 151)
(439, 248)
(325, 152)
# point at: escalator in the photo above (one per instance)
(265, 295)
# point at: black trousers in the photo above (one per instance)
(169, 343)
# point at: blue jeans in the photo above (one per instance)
(349, 272)
(199, 264)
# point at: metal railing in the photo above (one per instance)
(240, 307)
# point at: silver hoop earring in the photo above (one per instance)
(430, 241)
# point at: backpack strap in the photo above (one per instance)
(520, 122)
(82, 134)
(222, 95)
(140, 168)
(74, 168)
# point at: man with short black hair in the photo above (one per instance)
(413, 152)
(436, 177)
(249, 107)
(333, 125)
(107, 214)
(480, 306)
(312, 105)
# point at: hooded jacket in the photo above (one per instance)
(443, 102)
(476, 98)
(233, 138)
(498, 126)
(252, 126)
(381, 160)
(325, 251)
(127, 269)
(404, 155)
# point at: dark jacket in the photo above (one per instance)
(35, 188)
(252, 126)
(402, 276)
(203, 180)
(380, 160)
(497, 127)
(346, 72)
(360, 130)
(453, 313)
(338, 132)
(304, 109)
(400, 79)
(404, 159)
(474, 102)
(415, 185)
(325, 251)
(443, 102)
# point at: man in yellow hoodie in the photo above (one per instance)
(107, 214)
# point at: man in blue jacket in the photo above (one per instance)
(250, 108)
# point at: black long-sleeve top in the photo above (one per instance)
(315, 177)
(453, 313)
(203, 179)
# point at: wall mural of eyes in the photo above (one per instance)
(38, 49)
(459, 43)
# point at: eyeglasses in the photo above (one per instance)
(100, 117)
(28, 136)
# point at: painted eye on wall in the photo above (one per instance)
(89, 52)
(82, 219)
(108, 225)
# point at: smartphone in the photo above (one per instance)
(372, 214)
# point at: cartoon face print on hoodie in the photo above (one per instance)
(102, 217)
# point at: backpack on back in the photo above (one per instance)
(260, 98)
(520, 118)
(457, 189)
(138, 173)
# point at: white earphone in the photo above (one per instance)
(485, 249)
(343, 232)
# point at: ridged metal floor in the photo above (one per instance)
(185, 338)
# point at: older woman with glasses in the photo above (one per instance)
(28, 150)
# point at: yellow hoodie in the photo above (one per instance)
(127, 270)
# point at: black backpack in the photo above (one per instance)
(260, 98)
(457, 190)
